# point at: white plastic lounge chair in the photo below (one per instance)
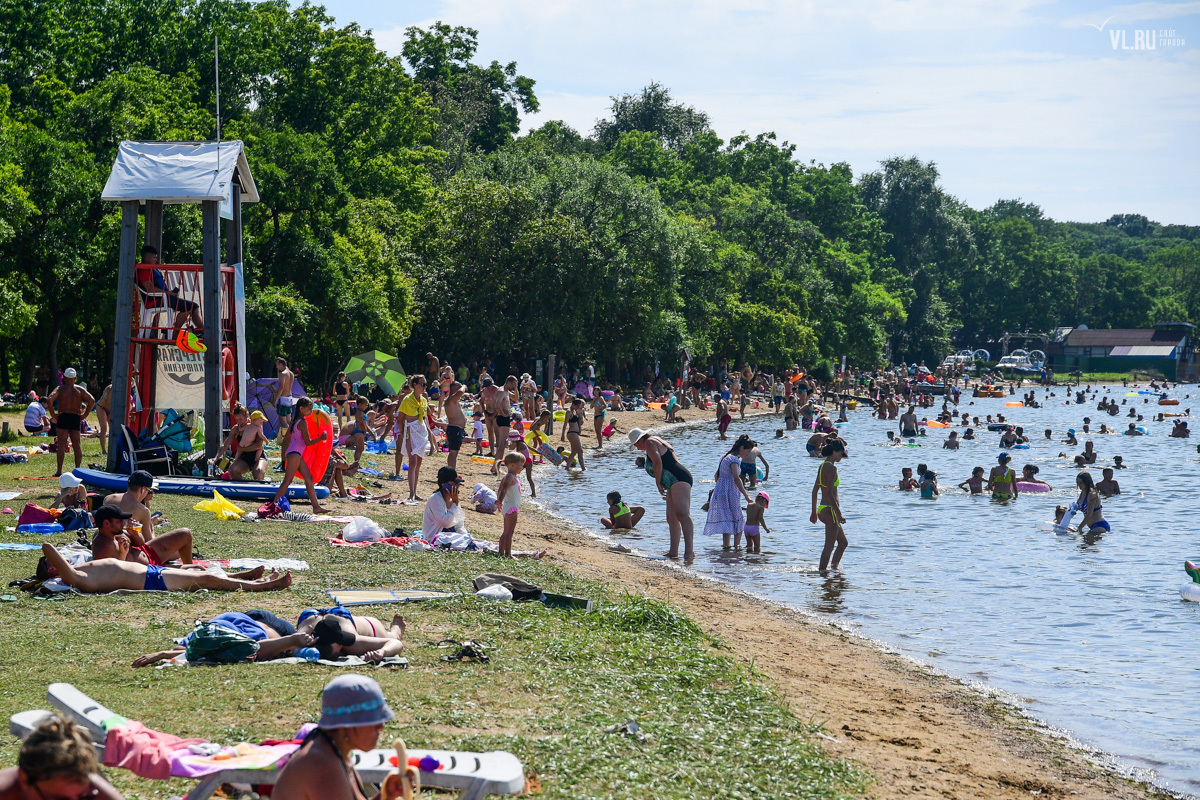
(473, 775)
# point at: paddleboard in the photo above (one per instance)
(200, 487)
(316, 456)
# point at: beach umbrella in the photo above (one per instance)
(259, 397)
(378, 368)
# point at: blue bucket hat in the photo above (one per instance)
(1004, 456)
(351, 701)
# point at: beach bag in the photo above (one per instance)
(34, 514)
(75, 519)
(220, 645)
(520, 589)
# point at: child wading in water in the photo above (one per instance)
(756, 522)
(293, 455)
(509, 492)
(973, 484)
(621, 516)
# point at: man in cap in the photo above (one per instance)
(353, 713)
(72, 404)
(114, 574)
(116, 539)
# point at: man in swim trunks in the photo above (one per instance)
(456, 422)
(502, 404)
(285, 404)
(73, 404)
(114, 540)
(113, 574)
(908, 423)
(1108, 486)
(276, 637)
(489, 394)
(336, 633)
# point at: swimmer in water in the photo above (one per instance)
(891, 438)
(929, 487)
(1002, 481)
(1108, 486)
(1049, 433)
(1132, 430)
(756, 522)
(969, 435)
(1089, 504)
(1118, 462)
(907, 483)
(973, 484)
(1070, 437)
(1029, 475)
(951, 442)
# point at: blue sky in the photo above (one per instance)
(1052, 102)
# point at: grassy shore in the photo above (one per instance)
(557, 679)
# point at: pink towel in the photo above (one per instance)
(143, 751)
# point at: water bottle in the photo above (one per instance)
(308, 653)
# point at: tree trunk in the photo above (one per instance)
(55, 335)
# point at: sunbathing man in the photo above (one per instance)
(276, 637)
(114, 539)
(134, 499)
(338, 633)
(112, 574)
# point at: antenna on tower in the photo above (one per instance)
(217, 76)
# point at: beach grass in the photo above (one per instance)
(556, 681)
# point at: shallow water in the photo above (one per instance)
(1088, 632)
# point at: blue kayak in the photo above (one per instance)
(201, 487)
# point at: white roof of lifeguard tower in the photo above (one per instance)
(180, 172)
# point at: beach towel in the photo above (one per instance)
(416, 441)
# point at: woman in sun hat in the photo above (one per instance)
(353, 712)
(674, 483)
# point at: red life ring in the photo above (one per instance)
(228, 378)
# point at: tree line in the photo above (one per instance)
(402, 210)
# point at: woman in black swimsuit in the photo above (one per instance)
(572, 430)
(341, 396)
(674, 483)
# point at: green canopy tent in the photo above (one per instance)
(378, 368)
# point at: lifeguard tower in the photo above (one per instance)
(151, 373)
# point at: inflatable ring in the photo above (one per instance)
(560, 415)
(1190, 591)
(228, 377)
(533, 437)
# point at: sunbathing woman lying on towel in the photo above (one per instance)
(111, 574)
(276, 637)
(337, 633)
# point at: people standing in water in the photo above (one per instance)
(829, 510)
(297, 439)
(756, 522)
(973, 484)
(598, 411)
(725, 516)
(1090, 505)
(674, 483)
(1002, 481)
(572, 431)
(723, 417)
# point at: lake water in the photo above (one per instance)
(1087, 632)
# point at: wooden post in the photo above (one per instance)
(154, 226)
(233, 229)
(211, 294)
(551, 376)
(123, 330)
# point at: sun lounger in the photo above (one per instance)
(473, 775)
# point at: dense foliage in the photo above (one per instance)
(402, 211)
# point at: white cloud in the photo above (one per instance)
(1137, 12)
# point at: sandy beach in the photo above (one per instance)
(920, 734)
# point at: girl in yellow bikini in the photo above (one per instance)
(829, 511)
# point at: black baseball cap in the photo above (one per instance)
(107, 512)
(142, 478)
(448, 475)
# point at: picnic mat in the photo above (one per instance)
(366, 597)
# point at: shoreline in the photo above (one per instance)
(919, 731)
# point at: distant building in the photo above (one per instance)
(1169, 348)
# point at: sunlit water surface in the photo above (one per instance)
(1088, 632)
